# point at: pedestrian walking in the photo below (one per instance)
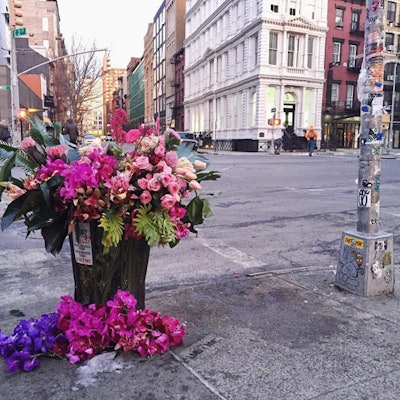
(71, 129)
(311, 136)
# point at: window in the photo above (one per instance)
(355, 21)
(335, 94)
(292, 11)
(274, 8)
(273, 48)
(253, 51)
(337, 48)
(291, 50)
(45, 24)
(310, 48)
(352, 55)
(349, 95)
(253, 108)
(389, 41)
(339, 17)
(391, 11)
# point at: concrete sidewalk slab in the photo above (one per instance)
(288, 334)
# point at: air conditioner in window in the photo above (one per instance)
(390, 47)
(390, 78)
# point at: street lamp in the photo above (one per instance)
(22, 116)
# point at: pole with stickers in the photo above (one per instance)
(365, 264)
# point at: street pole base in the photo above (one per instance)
(366, 263)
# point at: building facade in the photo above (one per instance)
(344, 56)
(175, 35)
(248, 61)
(391, 117)
(159, 61)
(148, 56)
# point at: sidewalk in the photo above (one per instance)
(288, 334)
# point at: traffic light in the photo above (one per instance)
(106, 63)
(15, 13)
(274, 121)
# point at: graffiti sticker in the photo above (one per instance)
(353, 242)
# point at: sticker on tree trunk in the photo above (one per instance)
(82, 241)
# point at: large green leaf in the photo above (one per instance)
(21, 206)
(6, 170)
(195, 211)
(39, 133)
(54, 234)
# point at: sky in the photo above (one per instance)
(120, 28)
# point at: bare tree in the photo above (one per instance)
(76, 81)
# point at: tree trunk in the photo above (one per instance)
(98, 276)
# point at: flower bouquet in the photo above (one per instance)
(113, 201)
(79, 333)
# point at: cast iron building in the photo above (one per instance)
(248, 61)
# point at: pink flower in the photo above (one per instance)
(154, 185)
(142, 162)
(171, 158)
(173, 187)
(133, 135)
(13, 191)
(145, 197)
(173, 133)
(157, 125)
(58, 151)
(159, 150)
(194, 185)
(142, 183)
(199, 164)
(26, 143)
(168, 201)
(166, 179)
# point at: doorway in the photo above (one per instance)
(289, 116)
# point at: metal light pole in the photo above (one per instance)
(366, 255)
(390, 145)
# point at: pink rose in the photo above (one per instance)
(173, 188)
(154, 185)
(142, 162)
(168, 201)
(145, 197)
(142, 183)
(159, 150)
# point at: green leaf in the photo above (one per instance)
(20, 207)
(6, 170)
(195, 211)
(39, 133)
(208, 176)
(17, 313)
(54, 234)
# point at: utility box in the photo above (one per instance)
(366, 263)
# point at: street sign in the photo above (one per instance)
(19, 32)
(5, 87)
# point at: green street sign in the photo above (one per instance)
(6, 87)
(19, 32)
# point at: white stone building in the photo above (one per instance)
(248, 61)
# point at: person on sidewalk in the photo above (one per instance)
(311, 136)
(71, 129)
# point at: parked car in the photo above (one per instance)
(189, 137)
(90, 139)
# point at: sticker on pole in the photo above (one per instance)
(82, 244)
(364, 197)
